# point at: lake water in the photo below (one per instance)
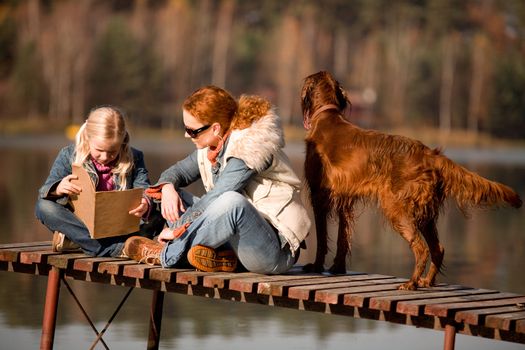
(486, 250)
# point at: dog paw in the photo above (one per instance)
(410, 285)
(313, 268)
(424, 283)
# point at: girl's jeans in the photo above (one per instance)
(57, 217)
(233, 221)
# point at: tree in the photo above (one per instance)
(125, 73)
(507, 115)
(222, 42)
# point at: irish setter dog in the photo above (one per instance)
(345, 165)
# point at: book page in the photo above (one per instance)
(105, 213)
(111, 212)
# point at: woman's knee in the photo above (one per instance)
(232, 199)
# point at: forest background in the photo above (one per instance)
(451, 66)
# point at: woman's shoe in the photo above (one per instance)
(209, 260)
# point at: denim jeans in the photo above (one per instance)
(57, 217)
(233, 221)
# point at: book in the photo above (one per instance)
(105, 213)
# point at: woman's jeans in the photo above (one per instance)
(233, 221)
(57, 217)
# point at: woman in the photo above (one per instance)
(252, 204)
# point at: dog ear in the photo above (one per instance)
(342, 98)
(306, 101)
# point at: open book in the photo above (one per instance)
(105, 213)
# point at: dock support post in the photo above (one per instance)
(50, 309)
(450, 337)
(155, 320)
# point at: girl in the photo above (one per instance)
(102, 147)
(252, 203)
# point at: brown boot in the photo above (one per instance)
(209, 260)
(143, 250)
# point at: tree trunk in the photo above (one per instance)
(476, 83)
(222, 42)
(201, 42)
(447, 84)
(340, 53)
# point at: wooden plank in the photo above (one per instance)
(25, 244)
(13, 254)
(9, 255)
(90, 264)
(64, 261)
(477, 316)
(167, 275)
(363, 299)
(222, 280)
(388, 302)
(212, 279)
(277, 288)
(504, 321)
(114, 267)
(307, 292)
(249, 285)
(416, 306)
(191, 277)
(280, 288)
(138, 271)
(336, 295)
(520, 326)
(472, 302)
(36, 257)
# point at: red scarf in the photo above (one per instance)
(213, 152)
(105, 176)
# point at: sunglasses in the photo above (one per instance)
(195, 132)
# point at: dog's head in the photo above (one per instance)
(321, 89)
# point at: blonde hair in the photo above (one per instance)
(106, 123)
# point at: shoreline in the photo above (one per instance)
(501, 154)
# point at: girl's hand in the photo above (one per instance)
(171, 204)
(141, 209)
(66, 187)
(166, 235)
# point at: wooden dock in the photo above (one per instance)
(449, 308)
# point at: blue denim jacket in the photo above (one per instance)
(234, 177)
(138, 178)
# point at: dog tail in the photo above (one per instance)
(469, 189)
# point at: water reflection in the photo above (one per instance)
(486, 250)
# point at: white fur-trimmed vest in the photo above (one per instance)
(275, 192)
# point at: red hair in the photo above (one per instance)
(211, 104)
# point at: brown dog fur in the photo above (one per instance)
(346, 164)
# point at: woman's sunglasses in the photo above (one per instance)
(195, 132)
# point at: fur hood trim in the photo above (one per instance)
(257, 144)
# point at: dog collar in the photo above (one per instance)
(307, 121)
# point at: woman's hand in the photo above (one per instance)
(141, 209)
(169, 234)
(171, 204)
(66, 187)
